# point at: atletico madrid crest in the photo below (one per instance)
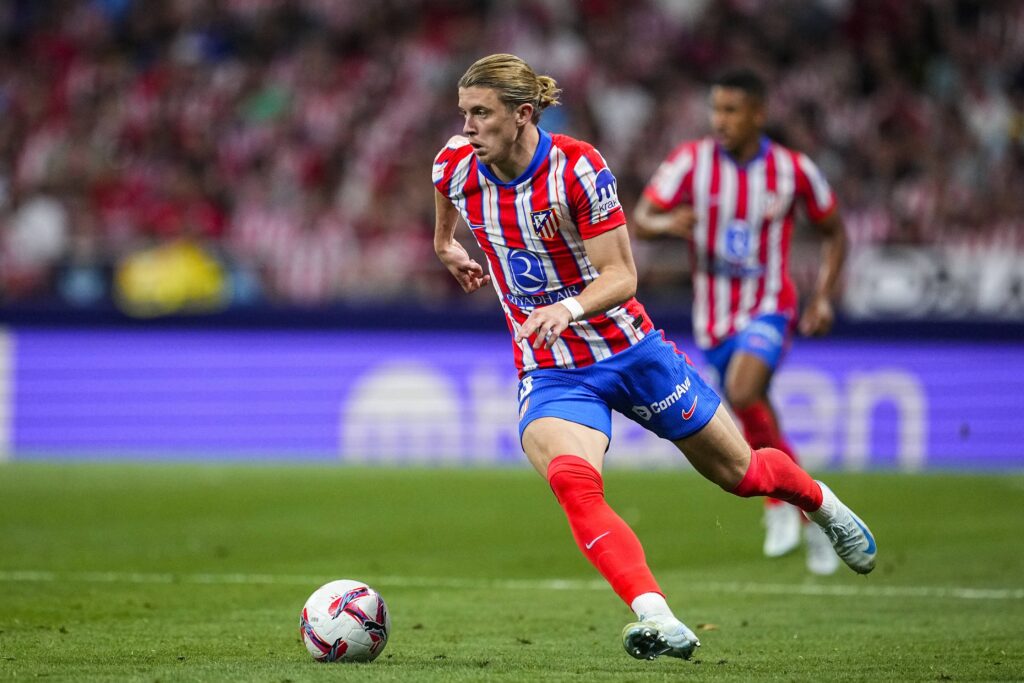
(545, 223)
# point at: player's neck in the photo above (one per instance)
(748, 151)
(520, 155)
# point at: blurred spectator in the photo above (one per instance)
(290, 138)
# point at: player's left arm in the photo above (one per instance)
(610, 254)
(819, 315)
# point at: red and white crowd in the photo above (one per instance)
(290, 139)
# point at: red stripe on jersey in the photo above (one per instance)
(713, 209)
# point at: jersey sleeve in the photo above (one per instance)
(447, 161)
(672, 184)
(594, 196)
(813, 189)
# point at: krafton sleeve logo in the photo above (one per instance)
(607, 193)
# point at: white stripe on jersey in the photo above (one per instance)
(819, 186)
(756, 187)
(669, 175)
(785, 181)
(701, 193)
(728, 187)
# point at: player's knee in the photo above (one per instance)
(740, 395)
(730, 474)
(574, 481)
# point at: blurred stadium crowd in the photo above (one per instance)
(195, 154)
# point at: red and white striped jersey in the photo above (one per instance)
(740, 246)
(532, 231)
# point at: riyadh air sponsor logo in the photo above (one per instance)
(527, 271)
(606, 188)
(646, 412)
(737, 241)
(546, 299)
(545, 223)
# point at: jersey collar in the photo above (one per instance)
(541, 153)
(762, 150)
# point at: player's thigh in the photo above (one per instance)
(757, 352)
(546, 438)
(718, 451)
(561, 415)
(746, 379)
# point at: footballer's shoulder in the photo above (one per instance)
(457, 147)
(571, 146)
(456, 141)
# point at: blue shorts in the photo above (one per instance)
(652, 383)
(767, 337)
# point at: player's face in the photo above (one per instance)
(736, 119)
(488, 123)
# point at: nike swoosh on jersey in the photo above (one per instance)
(591, 544)
(687, 414)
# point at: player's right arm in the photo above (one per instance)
(653, 221)
(467, 272)
(665, 208)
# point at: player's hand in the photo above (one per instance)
(817, 318)
(467, 272)
(681, 222)
(547, 323)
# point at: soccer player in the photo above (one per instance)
(733, 196)
(545, 212)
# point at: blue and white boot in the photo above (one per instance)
(656, 636)
(849, 535)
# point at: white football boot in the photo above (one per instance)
(821, 557)
(848, 534)
(656, 636)
(782, 529)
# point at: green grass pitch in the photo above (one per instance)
(197, 573)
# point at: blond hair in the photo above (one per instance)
(515, 82)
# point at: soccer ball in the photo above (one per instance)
(345, 621)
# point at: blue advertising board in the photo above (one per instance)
(418, 397)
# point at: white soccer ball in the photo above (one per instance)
(345, 621)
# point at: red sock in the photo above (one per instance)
(773, 473)
(605, 540)
(761, 430)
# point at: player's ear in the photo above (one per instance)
(524, 113)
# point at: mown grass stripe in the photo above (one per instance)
(930, 592)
